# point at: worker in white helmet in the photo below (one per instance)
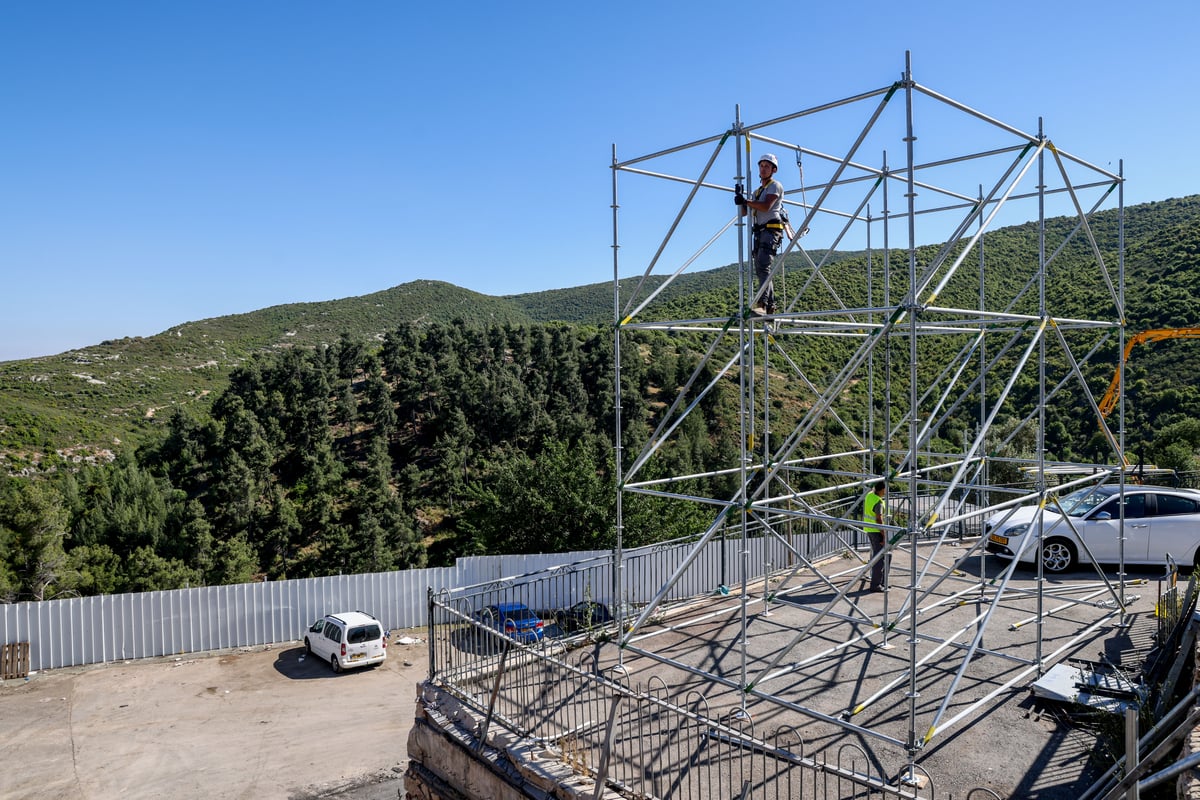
(766, 228)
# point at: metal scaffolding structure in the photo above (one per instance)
(899, 351)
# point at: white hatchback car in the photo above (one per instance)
(348, 639)
(1159, 521)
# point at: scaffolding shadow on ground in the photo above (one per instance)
(679, 724)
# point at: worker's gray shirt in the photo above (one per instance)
(772, 214)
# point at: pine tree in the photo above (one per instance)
(33, 526)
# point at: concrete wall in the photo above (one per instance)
(444, 763)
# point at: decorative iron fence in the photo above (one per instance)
(641, 741)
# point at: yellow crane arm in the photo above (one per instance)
(1109, 401)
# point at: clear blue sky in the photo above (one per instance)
(172, 161)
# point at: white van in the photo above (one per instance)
(348, 639)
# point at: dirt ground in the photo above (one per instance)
(262, 722)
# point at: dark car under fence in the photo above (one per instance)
(586, 615)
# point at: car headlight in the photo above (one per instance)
(1017, 530)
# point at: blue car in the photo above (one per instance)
(515, 620)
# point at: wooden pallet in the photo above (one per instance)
(14, 660)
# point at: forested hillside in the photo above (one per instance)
(425, 422)
(445, 440)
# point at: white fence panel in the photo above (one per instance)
(117, 627)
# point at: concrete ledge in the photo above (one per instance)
(445, 765)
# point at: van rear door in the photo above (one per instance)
(364, 643)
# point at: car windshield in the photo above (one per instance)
(1081, 501)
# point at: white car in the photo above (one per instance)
(1159, 521)
(348, 639)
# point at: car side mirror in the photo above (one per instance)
(1103, 515)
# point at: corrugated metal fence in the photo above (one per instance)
(88, 630)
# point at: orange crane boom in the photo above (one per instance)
(1109, 401)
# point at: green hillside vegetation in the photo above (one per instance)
(425, 422)
(87, 403)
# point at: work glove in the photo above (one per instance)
(739, 199)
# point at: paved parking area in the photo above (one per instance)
(268, 723)
(262, 722)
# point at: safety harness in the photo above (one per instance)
(773, 225)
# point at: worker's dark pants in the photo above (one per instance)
(766, 247)
(877, 542)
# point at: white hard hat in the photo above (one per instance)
(768, 157)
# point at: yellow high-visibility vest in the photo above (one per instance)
(869, 505)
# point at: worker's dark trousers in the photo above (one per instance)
(766, 247)
(877, 543)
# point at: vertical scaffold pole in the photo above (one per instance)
(913, 416)
(886, 472)
(1125, 620)
(745, 386)
(618, 577)
(981, 474)
(1041, 409)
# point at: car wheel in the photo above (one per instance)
(333, 662)
(307, 647)
(1058, 555)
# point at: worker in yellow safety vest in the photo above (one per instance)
(873, 512)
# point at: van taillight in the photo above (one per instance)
(343, 648)
(385, 643)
